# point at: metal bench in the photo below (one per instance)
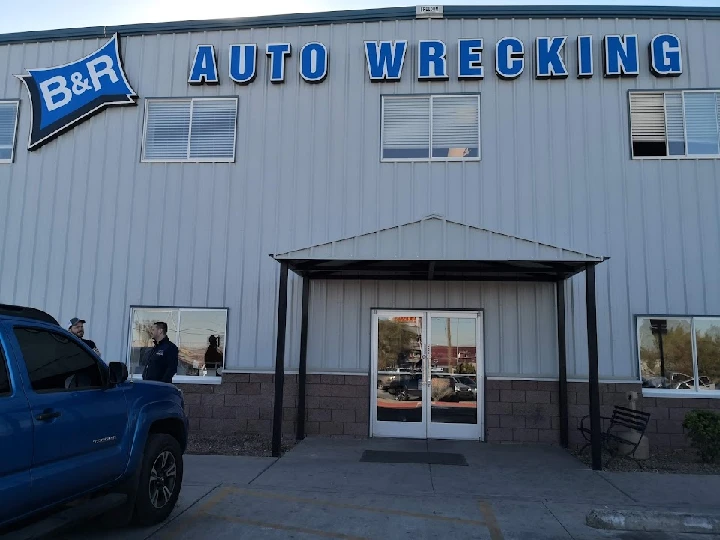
(622, 419)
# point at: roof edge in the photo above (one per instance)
(367, 15)
(290, 255)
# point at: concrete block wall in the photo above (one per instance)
(243, 403)
(338, 405)
(522, 411)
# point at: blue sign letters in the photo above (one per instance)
(585, 57)
(665, 55)
(243, 63)
(204, 66)
(385, 59)
(621, 56)
(63, 96)
(509, 58)
(277, 53)
(432, 62)
(549, 58)
(470, 59)
(314, 62)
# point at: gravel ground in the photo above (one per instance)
(678, 461)
(234, 444)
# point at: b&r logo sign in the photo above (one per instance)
(66, 95)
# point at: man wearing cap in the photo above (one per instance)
(77, 327)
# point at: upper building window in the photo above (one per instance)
(677, 124)
(190, 130)
(8, 127)
(431, 128)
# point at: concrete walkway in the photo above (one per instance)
(321, 489)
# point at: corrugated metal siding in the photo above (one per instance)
(519, 322)
(88, 230)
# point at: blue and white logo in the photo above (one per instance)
(63, 96)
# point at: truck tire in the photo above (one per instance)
(160, 480)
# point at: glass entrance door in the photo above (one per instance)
(427, 374)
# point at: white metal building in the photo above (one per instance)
(434, 174)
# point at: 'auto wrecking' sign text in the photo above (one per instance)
(386, 59)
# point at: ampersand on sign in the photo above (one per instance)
(79, 84)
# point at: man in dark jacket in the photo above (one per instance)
(162, 363)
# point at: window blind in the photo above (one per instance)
(406, 123)
(199, 129)
(430, 127)
(454, 124)
(8, 125)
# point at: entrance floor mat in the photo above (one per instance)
(431, 458)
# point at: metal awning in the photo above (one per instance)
(435, 248)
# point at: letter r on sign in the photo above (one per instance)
(107, 71)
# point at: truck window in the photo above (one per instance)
(4, 377)
(55, 363)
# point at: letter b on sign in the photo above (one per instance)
(53, 87)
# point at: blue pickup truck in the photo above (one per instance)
(74, 427)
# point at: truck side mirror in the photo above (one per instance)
(118, 372)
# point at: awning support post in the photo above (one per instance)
(302, 377)
(591, 307)
(562, 363)
(280, 361)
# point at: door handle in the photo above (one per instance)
(47, 416)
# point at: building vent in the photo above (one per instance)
(429, 12)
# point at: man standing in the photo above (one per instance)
(162, 362)
(77, 327)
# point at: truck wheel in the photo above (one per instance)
(160, 480)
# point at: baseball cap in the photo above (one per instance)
(75, 321)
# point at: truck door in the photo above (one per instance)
(79, 423)
(16, 439)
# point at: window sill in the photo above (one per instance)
(705, 394)
(185, 379)
(675, 158)
(429, 160)
(208, 160)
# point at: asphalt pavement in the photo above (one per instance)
(322, 489)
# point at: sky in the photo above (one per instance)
(50, 14)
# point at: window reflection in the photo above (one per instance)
(399, 394)
(198, 333)
(453, 368)
(666, 359)
(707, 335)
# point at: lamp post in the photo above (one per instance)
(658, 327)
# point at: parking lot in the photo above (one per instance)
(322, 489)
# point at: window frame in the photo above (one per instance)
(13, 145)
(664, 92)
(192, 100)
(430, 157)
(665, 392)
(100, 364)
(177, 379)
(5, 366)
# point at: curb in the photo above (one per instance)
(654, 521)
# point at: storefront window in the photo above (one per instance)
(679, 353)
(199, 334)
(707, 335)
